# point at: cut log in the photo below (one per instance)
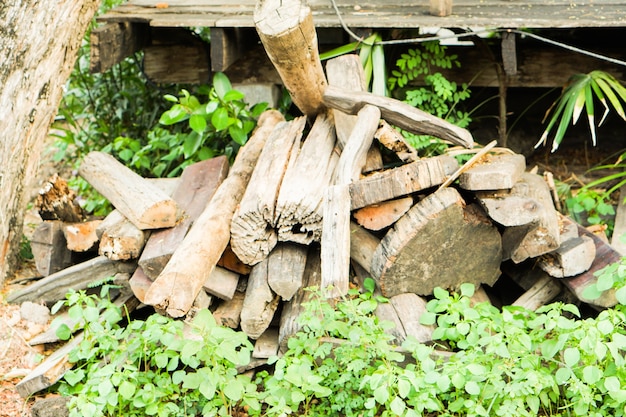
(56, 201)
(494, 172)
(544, 290)
(222, 283)
(292, 309)
(266, 345)
(139, 283)
(195, 258)
(253, 234)
(410, 308)
(336, 217)
(288, 34)
(77, 277)
(49, 248)
(228, 313)
(260, 302)
(538, 237)
(122, 242)
(300, 201)
(399, 114)
(438, 243)
(139, 200)
(286, 269)
(195, 189)
(81, 237)
(231, 262)
(572, 258)
(393, 140)
(379, 216)
(363, 246)
(400, 181)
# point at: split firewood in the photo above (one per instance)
(49, 248)
(195, 189)
(228, 312)
(81, 237)
(149, 207)
(253, 234)
(222, 283)
(56, 201)
(292, 309)
(399, 114)
(286, 269)
(572, 258)
(494, 172)
(266, 345)
(363, 246)
(438, 242)
(300, 201)
(336, 214)
(381, 215)
(401, 181)
(78, 277)
(538, 237)
(410, 307)
(393, 140)
(540, 288)
(231, 262)
(260, 302)
(287, 31)
(195, 258)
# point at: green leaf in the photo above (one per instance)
(222, 85)
(397, 406)
(605, 281)
(233, 95)
(620, 295)
(381, 394)
(191, 144)
(467, 289)
(612, 383)
(562, 375)
(238, 134)
(174, 115)
(591, 374)
(197, 123)
(63, 332)
(571, 356)
(127, 390)
(592, 292)
(220, 119)
(74, 376)
(234, 390)
(472, 388)
(428, 319)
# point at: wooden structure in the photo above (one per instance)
(172, 54)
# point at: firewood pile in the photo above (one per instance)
(322, 200)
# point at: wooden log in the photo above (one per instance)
(618, 240)
(266, 345)
(438, 243)
(379, 216)
(410, 308)
(81, 237)
(139, 283)
(400, 181)
(440, 8)
(222, 283)
(286, 269)
(122, 242)
(300, 201)
(56, 201)
(572, 258)
(49, 248)
(195, 258)
(140, 201)
(231, 262)
(544, 290)
(253, 234)
(54, 287)
(494, 172)
(288, 34)
(260, 302)
(399, 114)
(336, 215)
(393, 140)
(228, 313)
(292, 309)
(363, 246)
(195, 189)
(538, 237)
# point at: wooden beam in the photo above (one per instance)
(113, 42)
(228, 45)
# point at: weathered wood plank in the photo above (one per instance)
(494, 172)
(410, 308)
(286, 269)
(49, 248)
(260, 302)
(112, 42)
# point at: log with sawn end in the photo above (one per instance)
(286, 269)
(299, 205)
(572, 258)
(336, 214)
(260, 302)
(399, 114)
(253, 234)
(181, 280)
(400, 181)
(494, 172)
(438, 242)
(381, 215)
(141, 202)
(196, 187)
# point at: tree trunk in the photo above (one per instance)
(38, 50)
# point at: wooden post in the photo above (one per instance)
(287, 31)
(195, 258)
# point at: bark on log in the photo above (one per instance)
(286, 269)
(400, 181)
(38, 47)
(253, 234)
(56, 201)
(122, 242)
(300, 201)
(49, 248)
(196, 187)
(149, 207)
(194, 260)
(288, 34)
(398, 114)
(260, 302)
(438, 243)
(336, 217)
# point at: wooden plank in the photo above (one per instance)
(112, 42)
(177, 64)
(229, 44)
(49, 248)
(410, 308)
(572, 258)
(266, 345)
(141, 202)
(440, 8)
(222, 283)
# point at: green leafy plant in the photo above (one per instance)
(589, 206)
(579, 94)
(611, 277)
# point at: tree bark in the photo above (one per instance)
(38, 51)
